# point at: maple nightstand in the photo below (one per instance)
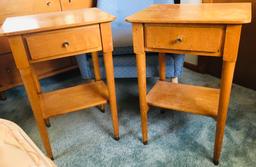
(204, 29)
(43, 37)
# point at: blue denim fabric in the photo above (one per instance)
(178, 64)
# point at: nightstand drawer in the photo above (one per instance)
(62, 43)
(75, 4)
(187, 38)
(47, 6)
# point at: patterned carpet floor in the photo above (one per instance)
(84, 138)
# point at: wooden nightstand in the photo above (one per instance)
(43, 37)
(9, 74)
(204, 29)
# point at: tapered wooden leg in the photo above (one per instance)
(31, 85)
(96, 67)
(138, 46)
(231, 47)
(36, 80)
(39, 90)
(107, 44)
(108, 60)
(226, 84)
(142, 84)
(31, 89)
(162, 66)
(162, 71)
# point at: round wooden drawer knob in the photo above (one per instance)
(8, 70)
(65, 44)
(179, 39)
(49, 3)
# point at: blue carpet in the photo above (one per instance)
(175, 139)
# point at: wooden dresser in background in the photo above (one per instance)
(9, 75)
(245, 71)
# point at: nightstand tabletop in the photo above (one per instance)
(210, 13)
(52, 21)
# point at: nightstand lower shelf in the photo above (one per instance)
(74, 98)
(185, 98)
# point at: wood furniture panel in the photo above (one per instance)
(72, 19)
(245, 67)
(182, 37)
(61, 43)
(74, 98)
(9, 8)
(94, 28)
(76, 4)
(10, 76)
(4, 46)
(47, 6)
(180, 97)
(190, 13)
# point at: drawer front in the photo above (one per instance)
(187, 38)
(10, 8)
(76, 4)
(47, 6)
(63, 43)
